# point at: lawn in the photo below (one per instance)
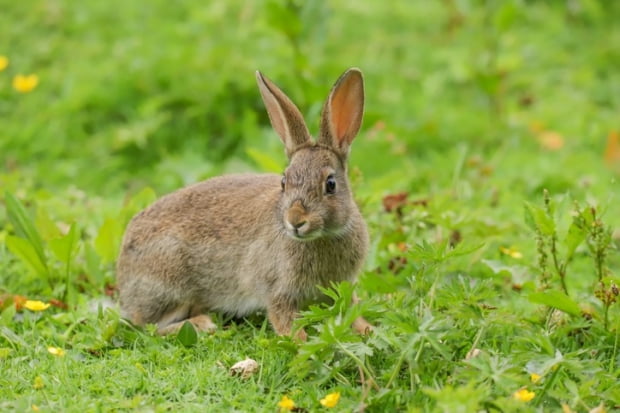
(486, 168)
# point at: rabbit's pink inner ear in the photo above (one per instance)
(346, 107)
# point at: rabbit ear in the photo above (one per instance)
(284, 115)
(342, 114)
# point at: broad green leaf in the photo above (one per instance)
(26, 252)
(505, 16)
(187, 335)
(18, 216)
(142, 199)
(93, 262)
(64, 247)
(137, 203)
(556, 299)
(575, 236)
(6, 316)
(264, 161)
(537, 218)
(46, 226)
(108, 240)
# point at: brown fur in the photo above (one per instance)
(240, 243)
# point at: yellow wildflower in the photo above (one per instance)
(286, 403)
(4, 62)
(34, 305)
(25, 83)
(38, 383)
(35, 408)
(524, 395)
(55, 351)
(512, 252)
(535, 377)
(330, 400)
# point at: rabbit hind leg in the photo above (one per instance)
(173, 320)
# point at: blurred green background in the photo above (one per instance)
(163, 94)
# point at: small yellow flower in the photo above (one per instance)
(35, 408)
(512, 252)
(330, 400)
(535, 377)
(286, 403)
(33, 305)
(25, 83)
(4, 62)
(55, 351)
(38, 383)
(524, 395)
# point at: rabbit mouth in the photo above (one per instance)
(303, 232)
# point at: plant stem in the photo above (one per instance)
(615, 350)
(360, 363)
(559, 267)
(548, 384)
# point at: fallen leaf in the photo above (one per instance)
(551, 140)
(58, 304)
(110, 289)
(394, 202)
(244, 368)
(612, 150)
(19, 301)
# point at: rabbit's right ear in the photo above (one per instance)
(342, 114)
(285, 118)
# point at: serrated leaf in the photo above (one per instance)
(382, 284)
(537, 218)
(187, 335)
(26, 252)
(18, 216)
(556, 299)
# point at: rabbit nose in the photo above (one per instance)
(296, 216)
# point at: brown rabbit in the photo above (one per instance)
(241, 243)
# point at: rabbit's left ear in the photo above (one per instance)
(285, 118)
(342, 114)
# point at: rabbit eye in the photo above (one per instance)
(330, 185)
(283, 182)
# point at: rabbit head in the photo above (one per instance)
(316, 199)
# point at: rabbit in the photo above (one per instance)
(237, 244)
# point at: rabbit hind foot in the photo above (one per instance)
(172, 322)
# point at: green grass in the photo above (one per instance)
(473, 110)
